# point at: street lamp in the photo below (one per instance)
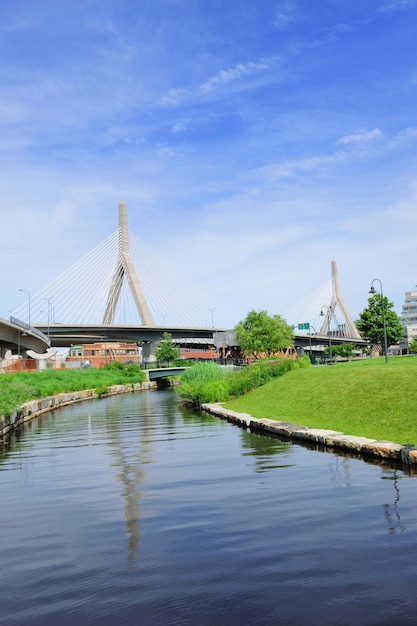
(28, 292)
(373, 290)
(329, 314)
(212, 320)
(310, 326)
(48, 300)
(104, 339)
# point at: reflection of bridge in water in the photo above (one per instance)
(119, 290)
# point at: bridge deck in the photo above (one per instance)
(164, 372)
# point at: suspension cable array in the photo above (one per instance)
(102, 287)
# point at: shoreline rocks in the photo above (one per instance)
(331, 439)
(34, 408)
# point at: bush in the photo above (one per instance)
(203, 382)
(101, 391)
(208, 382)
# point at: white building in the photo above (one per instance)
(408, 319)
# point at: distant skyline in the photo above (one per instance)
(253, 142)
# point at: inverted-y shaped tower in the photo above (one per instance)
(349, 329)
(125, 268)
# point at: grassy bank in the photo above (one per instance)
(208, 382)
(16, 389)
(366, 398)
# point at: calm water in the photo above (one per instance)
(133, 510)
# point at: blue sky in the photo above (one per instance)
(252, 142)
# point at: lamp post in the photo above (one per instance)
(212, 319)
(330, 314)
(373, 291)
(310, 326)
(28, 292)
(104, 339)
(48, 300)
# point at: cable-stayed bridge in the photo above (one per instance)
(123, 290)
(108, 286)
(323, 312)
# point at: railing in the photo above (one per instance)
(187, 362)
(31, 329)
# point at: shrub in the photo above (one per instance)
(203, 382)
(208, 382)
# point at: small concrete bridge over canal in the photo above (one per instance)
(159, 373)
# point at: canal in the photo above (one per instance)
(134, 510)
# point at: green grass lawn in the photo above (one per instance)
(368, 398)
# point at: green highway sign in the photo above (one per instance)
(304, 326)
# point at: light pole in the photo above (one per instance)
(49, 314)
(28, 292)
(212, 319)
(104, 339)
(372, 290)
(330, 315)
(310, 326)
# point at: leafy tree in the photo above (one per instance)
(370, 324)
(344, 350)
(260, 334)
(167, 350)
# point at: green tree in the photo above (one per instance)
(167, 350)
(261, 334)
(345, 350)
(370, 324)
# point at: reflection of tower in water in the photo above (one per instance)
(130, 457)
(340, 473)
(391, 511)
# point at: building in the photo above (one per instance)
(408, 319)
(101, 353)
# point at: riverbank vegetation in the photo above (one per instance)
(16, 389)
(208, 382)
(366, 398)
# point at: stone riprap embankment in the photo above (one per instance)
(34, 408)
(326, 438)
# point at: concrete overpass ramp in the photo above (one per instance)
(16, 336)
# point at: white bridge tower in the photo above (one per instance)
(125, 268)
(349, 329)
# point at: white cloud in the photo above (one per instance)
(287, 169)
(396, 5)
(404, 136)
(369, 135)
(173, 97)
(237, 72)
(285, 13)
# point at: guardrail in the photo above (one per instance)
(184, 362)
(31, 329)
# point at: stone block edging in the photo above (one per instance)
(34, 408)
(328, 438)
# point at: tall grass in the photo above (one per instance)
(208, 382)
(15, 389)
(203, 382)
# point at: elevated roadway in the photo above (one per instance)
(304, 341)
(66, 335)
(16, 336)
